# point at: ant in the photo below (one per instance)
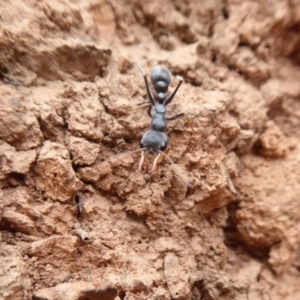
(156, 140)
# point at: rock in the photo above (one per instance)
(15, 161)
(269, 209)
(166, 244)
(272, 143)
(18, 214)
(84, 111)
(19, 126)
(64, 15)
(18, 222)
(93, 173)
(55, 173)
(53, 249)
(89, 60)
(83, 151)
(77, 291)
(14, 280)
(176, 278)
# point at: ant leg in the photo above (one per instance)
(141, 161)
(141, 105)
(162, 158)
(144, 104)
(149, 111)
(170, 98)
(155, 164)
(149, 94)
(190, 122)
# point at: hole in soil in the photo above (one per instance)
(134, 216)
(127, 140)
(225, 12)
(4, 72)
(198, 290)
(122, 294)
(213, 56)
(18, 177)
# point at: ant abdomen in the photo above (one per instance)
(161, 78)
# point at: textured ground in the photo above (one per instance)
(77, 219)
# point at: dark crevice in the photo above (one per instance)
(128, 140)
(257, 148)
(101, 100)
(211, 28)
(20, 178)
(199, 291)
(135, 217)
(4, 72)
(243, 44)
(289, 36)
(213, 56)
(122, 294)
(66, 125)
(225, 10)
(42, 127)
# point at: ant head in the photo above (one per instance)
(161, 78)
(154, 141)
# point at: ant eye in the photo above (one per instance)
(163, 147)
(141, 144)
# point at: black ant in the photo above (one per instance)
(156, 140)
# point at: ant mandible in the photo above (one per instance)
(156, 140)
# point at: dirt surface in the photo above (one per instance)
(79, 221)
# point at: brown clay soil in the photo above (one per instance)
(79, 221)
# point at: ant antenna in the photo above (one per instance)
(149, 94)
(170, 98)
(141, 69)
(124, 155)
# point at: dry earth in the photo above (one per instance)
(79, 221)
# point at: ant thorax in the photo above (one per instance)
(159, 122)
(159, 109)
